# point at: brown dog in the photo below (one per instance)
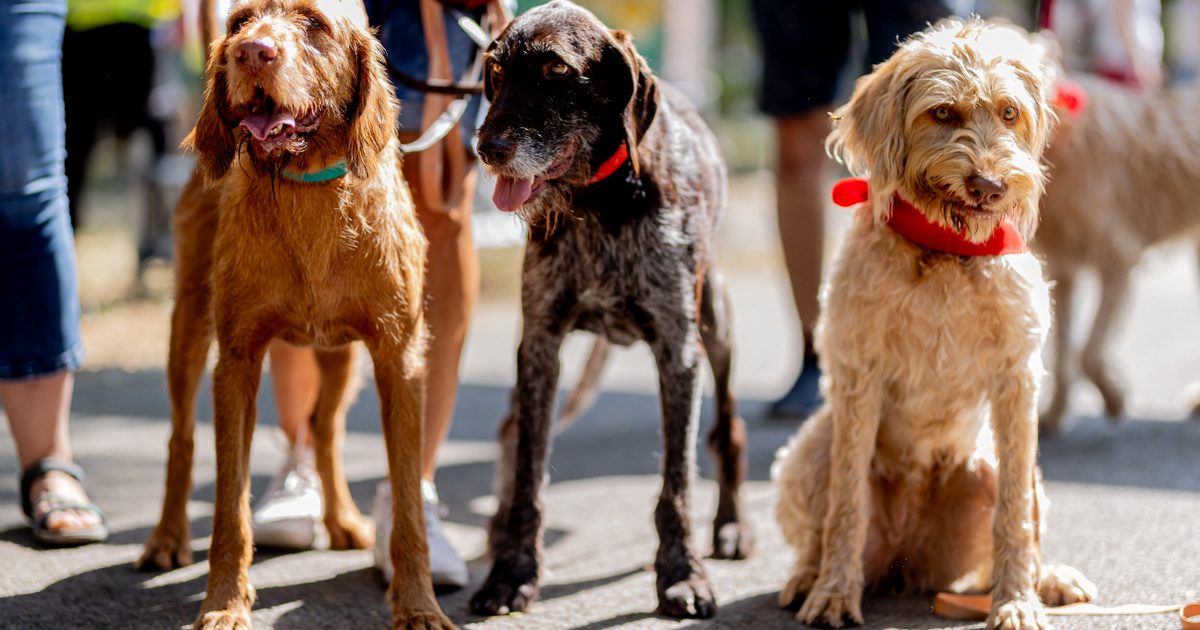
(297, 225)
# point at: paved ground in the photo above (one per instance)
(1126, 498)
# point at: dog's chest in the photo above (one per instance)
(622, 284)
(939, 336)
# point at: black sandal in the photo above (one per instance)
(59, 537)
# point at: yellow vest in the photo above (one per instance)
(87, 14)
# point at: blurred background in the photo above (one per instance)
(707, 47)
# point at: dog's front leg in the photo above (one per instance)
(235, 383)
(683, 588)
(512, 584)
(855, 400)
(1015, 602)
(400, 378)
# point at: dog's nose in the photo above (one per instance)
(256, 53)
(985, 189)
(496, 149)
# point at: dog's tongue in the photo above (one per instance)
(511, 193)
(260, 125)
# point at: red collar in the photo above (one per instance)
(1070, 96)
(611, 165)
(909, 222)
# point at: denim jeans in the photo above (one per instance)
(39, 295)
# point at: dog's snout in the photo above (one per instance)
(496, 149)
(985, 189)
(256, 53)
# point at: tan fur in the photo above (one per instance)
(928, 355)
(260, 256)
(1104, 219)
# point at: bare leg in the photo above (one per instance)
(296, 378)
(800, 206)
(452, 286)
(38, 413)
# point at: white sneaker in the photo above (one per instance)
(446, 567)
(289, 514)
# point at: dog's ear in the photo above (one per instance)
(489, 90)
(373, 110)
(212, 137)
(1040, 76)
(640, 94)
(868, 131)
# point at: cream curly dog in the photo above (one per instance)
(897, 481)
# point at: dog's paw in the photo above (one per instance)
(351, 531)
(505, 592)
(797, 589)
(1062, 585)
(165, 550)
(223, 620)
(733, 541)
(824, 608)
(690, 598)
(1022, 613)
(424, 620)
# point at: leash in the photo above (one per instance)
(977, 608)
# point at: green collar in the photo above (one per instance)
(333, 171)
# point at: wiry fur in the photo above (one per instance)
(261, 256)
(629, 258)
(898, 481)
(1096, 218)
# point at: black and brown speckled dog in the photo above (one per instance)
(622, 185)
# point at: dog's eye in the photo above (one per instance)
(943, 113)
(1010, 114)
(496, 70)
(556, 70)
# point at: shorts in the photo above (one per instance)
(403, 36)
(806, 45)
(39, 294)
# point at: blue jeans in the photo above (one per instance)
(39, 294)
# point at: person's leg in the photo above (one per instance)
(39, 324)
(799, 99)
(295, 380)
(38, 410)
(800, 173)
(451, 287)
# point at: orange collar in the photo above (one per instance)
(611, 165)
(909, 222)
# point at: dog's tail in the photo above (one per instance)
(588, 387)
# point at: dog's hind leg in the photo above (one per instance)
(169, 545)
(1064, 372)
(339, 385)
(516, 530)
(1114, 289)
(732, 535)
(683, 587)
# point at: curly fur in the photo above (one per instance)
(919, 471)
